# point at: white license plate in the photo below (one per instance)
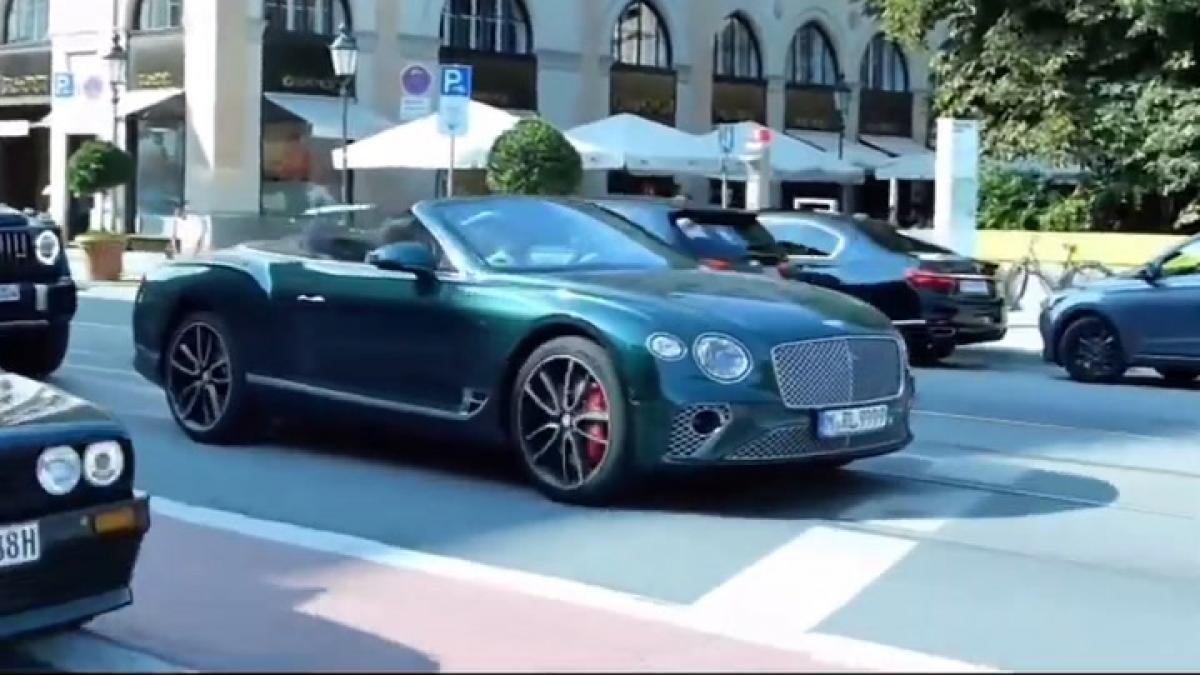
(853, 421)
(20, 544)
(10, 292)
(973, 287)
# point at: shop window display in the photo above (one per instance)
(298, 171)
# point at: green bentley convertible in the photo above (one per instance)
(545, 325)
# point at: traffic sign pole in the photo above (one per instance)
(454, 111)
(450, 171)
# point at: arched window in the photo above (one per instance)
(314, 17)
(498, 26)
(159, 15)
(26, 21)
(884, 67)
(811, 59)
(641, 38)
(735, 51)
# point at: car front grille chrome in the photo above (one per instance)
(838, 371)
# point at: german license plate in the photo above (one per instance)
(852, 421)
(973, 287)
(10, 292)
(20, 544)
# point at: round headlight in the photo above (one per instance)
(722, 358)
(103, 463)
(59, 469)
(46, 247)
(666, 347)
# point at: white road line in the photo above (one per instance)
(104, 370)
(1038, 425)
(84, 652)
(832, 649)
(96, 324)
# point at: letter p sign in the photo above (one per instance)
(456, 81)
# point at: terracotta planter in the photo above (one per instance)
(104, 258)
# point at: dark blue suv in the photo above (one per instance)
(1148, 317)
(37, 294)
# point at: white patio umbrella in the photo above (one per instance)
(791, 159)
(639, 144)
(420, 145)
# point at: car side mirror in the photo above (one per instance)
(1151, 272)
(405, 256)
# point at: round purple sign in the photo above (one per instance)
(93, 87)
(416, 80)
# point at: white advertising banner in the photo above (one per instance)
(956, 185)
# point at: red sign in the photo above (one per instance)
(763, 135)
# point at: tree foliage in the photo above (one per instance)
(533, 158)
(1011, 200)
(1113, 85)
(97, 166)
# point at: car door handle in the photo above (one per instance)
(315, 299)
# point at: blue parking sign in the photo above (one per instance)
(64, 85)
(456, 81)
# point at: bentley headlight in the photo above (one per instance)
(46, 247)
(666, 346)
(721, 358)
(59, 470)
(103, 463)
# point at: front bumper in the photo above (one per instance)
(764, 433)
(39, 305)
(84, 570)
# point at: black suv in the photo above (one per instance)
(37, 294)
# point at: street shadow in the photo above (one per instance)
(213, 601)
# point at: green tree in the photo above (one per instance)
(533, 158)
(1113, 85)
(97, 166)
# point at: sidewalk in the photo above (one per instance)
(212, 600)
(135, 264)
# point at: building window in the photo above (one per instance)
(159, 15)
(640, 37)
(297, 167)
(26, 21)
(884, 67)
(312, 17)
(811, 59)
(161, 139)
(497, 26)
(736, 53)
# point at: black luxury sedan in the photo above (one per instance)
(71, 524)
(1148, 317)
(936, 298)
(37, 294)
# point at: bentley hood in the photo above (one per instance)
(33, 413)
(746, 305)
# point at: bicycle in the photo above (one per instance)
(1017, 280)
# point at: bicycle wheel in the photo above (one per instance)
(1016, 282)
(1085, 273)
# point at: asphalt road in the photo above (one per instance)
(1035, 524)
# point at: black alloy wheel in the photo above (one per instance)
(567, 419)
(1091, 351)
(203, 380)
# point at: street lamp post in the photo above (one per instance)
(841, 100)
(344, 52)
(116, 58)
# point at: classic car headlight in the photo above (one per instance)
(103, 463)
(666, 346)
(59, 469)
(46, 247)
(722, 358)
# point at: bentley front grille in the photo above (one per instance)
(687, 437)
(838, 371)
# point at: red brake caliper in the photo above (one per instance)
(596, 445)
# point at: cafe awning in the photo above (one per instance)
(856, 153)
(135, 101)
(791, 158)
(638, 144)
(324, 114)
(911, 160)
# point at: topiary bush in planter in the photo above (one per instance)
(533, 158)
(95, 167)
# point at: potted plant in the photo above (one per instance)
(95, 167)
(533, 158)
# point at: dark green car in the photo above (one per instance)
(549, 326)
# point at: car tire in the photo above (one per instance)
(228, 424)
(37, 353)
(1091, 351)
(1179, 376)
(550, 466)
